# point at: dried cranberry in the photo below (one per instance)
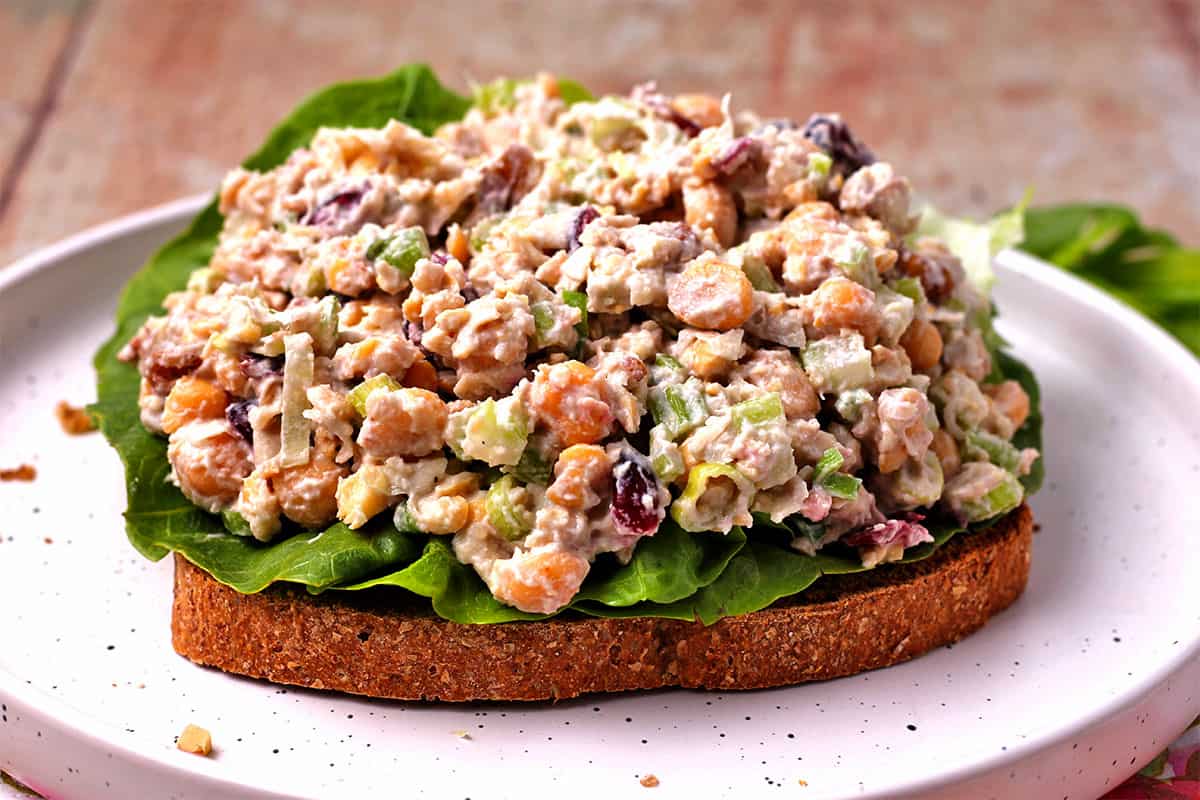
(501, 179)
(635, 504)
(439, 257)
(336, 209)
(585, 215)
(648, 95)
(737, 154)
(834, 137)
(258, 367)
(238, 414)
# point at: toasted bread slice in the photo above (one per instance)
(389, 644)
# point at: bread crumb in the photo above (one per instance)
(48, 540)
(649, 781)
(74, 420)
(462, 734)
(195, 740)
(802, 782)
(25, 472)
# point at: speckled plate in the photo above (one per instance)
(1066, 693)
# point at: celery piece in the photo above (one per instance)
(665, 457)
(235, 523)
(829, 463)
(311, 282)
(819, 164)
(686, 511)
(543, 320)
(403, 250)
(496, 96)
(679, 408)
(509, 519)
(532, 467)
(496, 432)
(1003, 498)
(994, 449)
(667, 362)
(853, 257)
(359, 394)
(205, 280)
(758, 274)
(297, 378)
(758, 411)
(842, 486)
(849, 405)
(325, 332)
(403, 519)
(608, 133)
(838, 364)
(910, 288)
(578, 300)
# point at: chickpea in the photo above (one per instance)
(711, 294)
(946, 450)
(702, 109)
(539, 582)
(567, 397)
(923, 344)
(404, 422)
(210, 469)
(1010, 400)
(307, 493)
(710, 206)
(840, 304)
(191, 399)
(579, 470)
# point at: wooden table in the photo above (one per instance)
(108, 107)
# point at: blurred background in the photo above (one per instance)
(110, 106)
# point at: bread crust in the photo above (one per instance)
(385, 644)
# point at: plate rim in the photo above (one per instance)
(1165, 348)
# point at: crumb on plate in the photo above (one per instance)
(195, 740)
(649, 781)
(74, 420)
(25, 472)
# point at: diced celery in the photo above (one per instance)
(829, 462)
(842, 486)
(665, 457)
(910, 288)
(679, 408)
(1006, 496)
(849, 405)
(578, 300)
(759, 275)
(819, 164)
(543, 321)
(325, 332)
(205, 280)
(510, 520)
(496, 432)
(311, 281)
(667, 362)
(496, 96)
(235, 523)
(826, 475)
(403, 519)
(270, 345)
(686, 511)
(297, 379)
(359, 394)
(758, 411)
(838, 364)
(853, 256)
(403, 250)
(532, 467)
(996, 450)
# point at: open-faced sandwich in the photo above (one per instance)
(662, 386)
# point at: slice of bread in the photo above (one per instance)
(389, 644)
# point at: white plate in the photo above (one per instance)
(1083, 681)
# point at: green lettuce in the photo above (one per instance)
(976, 243)
(674, 574)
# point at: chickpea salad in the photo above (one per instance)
(539, 350)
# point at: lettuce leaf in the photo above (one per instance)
(1108, 246)
(673, 574)
(976, 243)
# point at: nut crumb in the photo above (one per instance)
(195, 740)
(74, 421)
(48, 540)
(25, 472)
(649, 781)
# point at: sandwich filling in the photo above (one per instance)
(548, 330)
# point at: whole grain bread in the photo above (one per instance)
(388, 644)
